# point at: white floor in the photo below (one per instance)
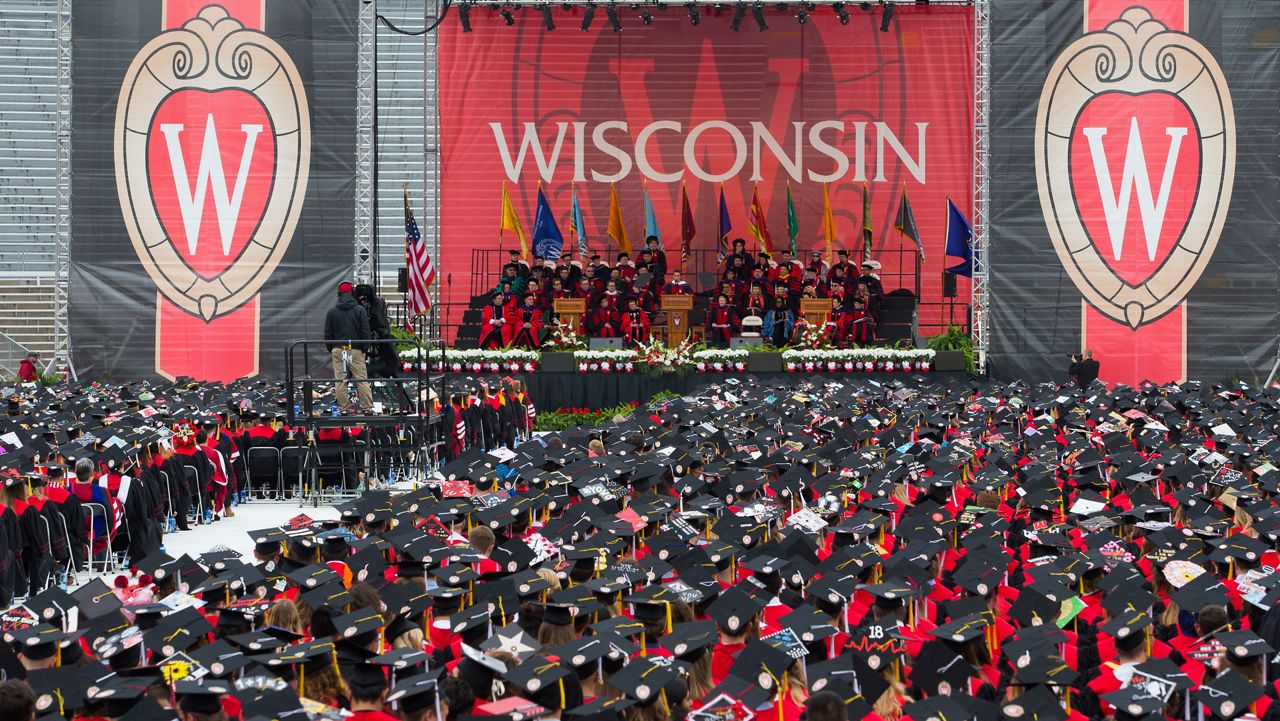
(234, 532)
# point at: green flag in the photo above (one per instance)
(866, 223)
(793, 223)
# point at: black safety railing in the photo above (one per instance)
(406, 436)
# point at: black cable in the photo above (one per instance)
(444, 12)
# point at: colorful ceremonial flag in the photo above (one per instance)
(616, 229)
(793, 223)
(547, 239)
(828, 223)
(650, 220)
(421, 273)
(687, 231)
(726, 227)
(756, 222)
(866, 223)
(905, 222)
(578, 229)
(959, 240)
(511, 221)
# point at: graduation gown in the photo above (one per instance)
(635, 326)
(518, 335)
(722, 323)
(493, 326)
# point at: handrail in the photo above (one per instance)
(11, 354)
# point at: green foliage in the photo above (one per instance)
(49, 379)
(410, 341)
(663, 395)
(955, 339)
(566, 418)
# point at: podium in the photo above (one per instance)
(569, 312)
(677, 308)
(816, 310)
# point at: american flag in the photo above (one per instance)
(421, 272)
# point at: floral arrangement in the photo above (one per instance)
(564, 337)
(866, 360)
(811, 336)
(721, 360)
(475, 360)
(605, 361)
(658, 358)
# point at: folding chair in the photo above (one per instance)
(192, 478)
(94, 510)
(267, 457)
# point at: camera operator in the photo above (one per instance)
(1084, 368)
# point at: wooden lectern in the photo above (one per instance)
(815, 310)
(569, 312)
(677, 308)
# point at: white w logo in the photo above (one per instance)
(192, 203)
(1135, 173)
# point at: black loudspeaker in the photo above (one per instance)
(948, 284)
(402, 281)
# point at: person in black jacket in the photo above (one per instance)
(346, 327)
(1084, 368)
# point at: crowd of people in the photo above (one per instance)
(754, 294)
(794, 550)
(95, 471)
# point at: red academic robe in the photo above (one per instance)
(607, 322)
(722, 324)
(635, 326)
(515, 332)
(493, 335)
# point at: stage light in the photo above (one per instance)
(588, 15)
(739, 12)
(614, 22)
(464, 17)
(802, 16)
(757, 12)
(888, 17)
(695, 17)
(507, 17)
(547, 21)
(646, 18)
(841, 13)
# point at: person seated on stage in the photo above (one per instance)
(526, 327)
(606, 320)
(598, 270)
(722, 322)
(541, 295)
(635, 322)
(739, 251)
(677, 284)
(493, 325)
(779, 321)
(729, 289)
(658, 256)
(648, 297)
(756, 304)
(568, 275)
(761, 278)
(736, 270)
(585, 289)
(541, 270)
(510, 276)
(870, 277)
(835, 285)
(625, 267)
(837, 324)
(789, 260)
(842, 261)
(611, 292)
(819, 267)
(557, 292)
(861, 317)
(793, 282)
(516, 262)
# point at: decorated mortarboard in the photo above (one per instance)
(1229, 695)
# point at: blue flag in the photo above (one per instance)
(650, 220)
(959, 240)
(725, 227)
(547, 239)
(578, 228)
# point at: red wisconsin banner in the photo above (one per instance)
(671, 102)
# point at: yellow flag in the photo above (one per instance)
(511, 222)
(617, 230)
(828, 222)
